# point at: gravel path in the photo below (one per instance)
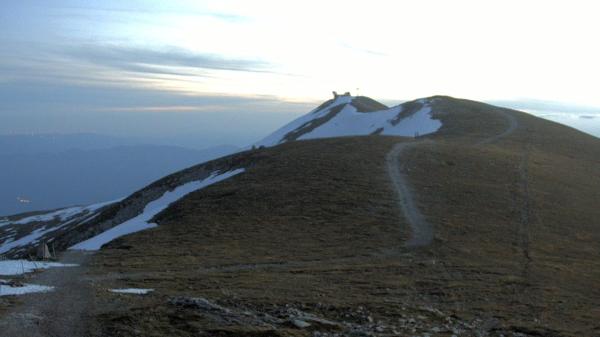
(513, 124)
(422, 231)
(59, 313)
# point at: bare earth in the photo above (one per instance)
(61, 312)
(422, 231)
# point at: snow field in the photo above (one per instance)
(18, 267)
(350, 122)
(142, 221)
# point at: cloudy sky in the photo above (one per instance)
(234, 69)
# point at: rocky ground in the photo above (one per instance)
(65, 311)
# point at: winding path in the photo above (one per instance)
(422, 231)
(513, 124)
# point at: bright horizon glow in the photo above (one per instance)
(298, 52)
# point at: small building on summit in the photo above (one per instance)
(336, 95)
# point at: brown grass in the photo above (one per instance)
(314, 224)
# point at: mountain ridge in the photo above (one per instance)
(328, 110)
(341, 117)
(316, 226)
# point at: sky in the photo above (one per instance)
(233, 70)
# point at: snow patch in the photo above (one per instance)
(18, 267)
(277, 136)
(141, 222)
(350, 122)
(420, 123)
(137, 291)
(6, 290)
(61, 214)
(31, 238)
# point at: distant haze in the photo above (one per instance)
(52, 171)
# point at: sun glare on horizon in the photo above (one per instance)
(298, 52)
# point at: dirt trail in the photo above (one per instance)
(525, 208)
(59, 313)
(422, 231)
(513, 124)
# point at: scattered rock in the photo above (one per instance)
(349, 321)
(300, 324)
(11, 283)
(197, 303)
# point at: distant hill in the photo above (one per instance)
(61, 177)
(56, 143)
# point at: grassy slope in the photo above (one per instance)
(516, 224)
(314, 224)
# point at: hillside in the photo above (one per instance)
(485, 223)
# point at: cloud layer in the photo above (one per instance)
(159, 60)
(78, 59)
